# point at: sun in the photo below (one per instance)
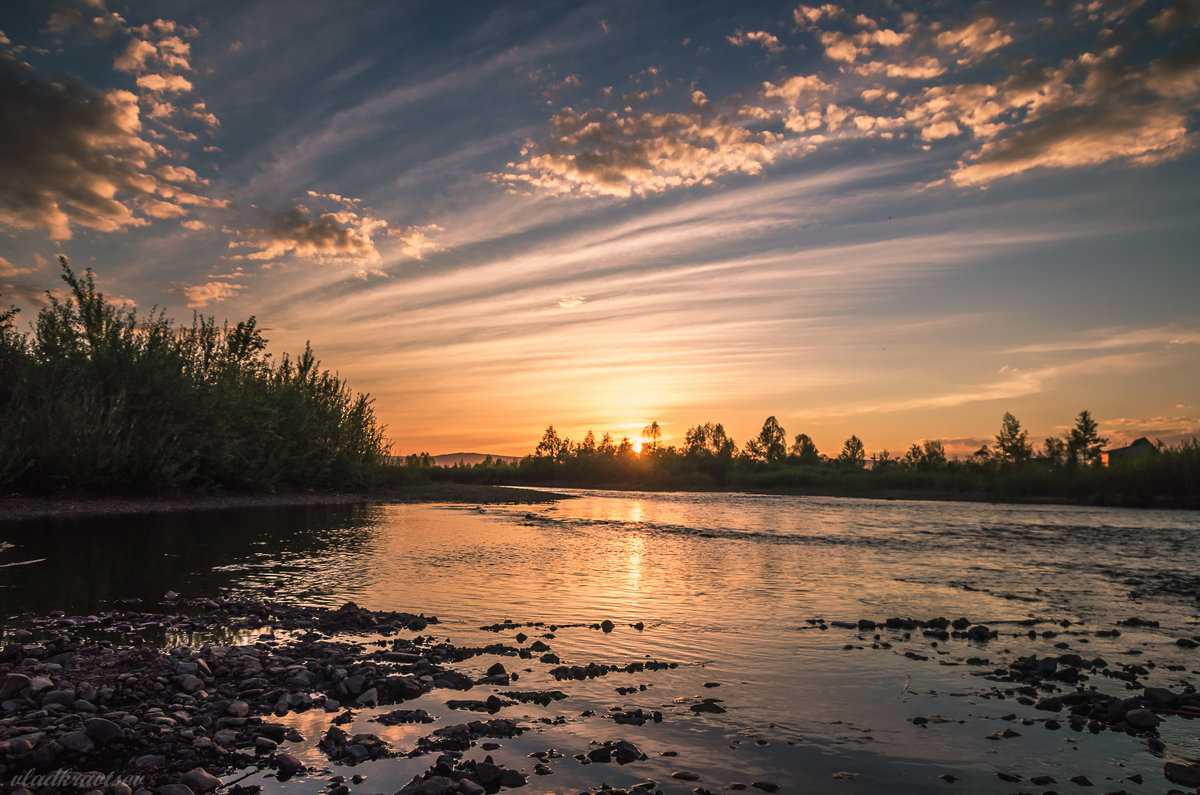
(637, 446)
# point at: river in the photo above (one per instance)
(742, 592)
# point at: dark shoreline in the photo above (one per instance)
(19, 507)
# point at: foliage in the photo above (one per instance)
(1084, 442)
(709, 459)
(98, 397)
(1012, 443)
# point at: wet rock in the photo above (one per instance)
(200, 780)
(685, 775)
(607, 626)
(1142, 719)
(289, 764)
(1184, 775)
(1082, 781)
(766, 786)
(711, 705)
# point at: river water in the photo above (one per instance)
(741, 591)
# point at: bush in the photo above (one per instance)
(96, 397)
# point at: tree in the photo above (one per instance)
(853, 454)
(550, 446)
(1084, 442)
(708, 439)
(771, 443)
(652, 434)
(1012, 443)
(588, 445)
(1055, 451)
(804, 450)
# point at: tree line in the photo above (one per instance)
(1009, 466)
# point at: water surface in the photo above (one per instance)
(727, 586)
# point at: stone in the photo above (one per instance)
(685, 775)
(200, 780)
(369, 698)
(288, 764)
(13, 685)
(102, 730)
(1142, 719)
(76, 742)
(238, 709)
(1184, 775)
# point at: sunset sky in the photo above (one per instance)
(898, 220)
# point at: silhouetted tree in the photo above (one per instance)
(804, 450)
(1084, 442)
(652, 434)
(550, 447)
(853, 454)
(1012, 443)
(771, 443)
(1054, 451)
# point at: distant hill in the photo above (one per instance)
(470, 459)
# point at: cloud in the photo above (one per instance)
(570, 301)
(74, 156)
(767, 41)
(608, 153)
(980, 87)
(972, 42)
(1169, 430)
(199, 295)
(415, 240)
(340, 234)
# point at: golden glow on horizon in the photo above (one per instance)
(637, 446)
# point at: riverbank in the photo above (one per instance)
(19, 507)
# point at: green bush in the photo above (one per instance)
(95, 397)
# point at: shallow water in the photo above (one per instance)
(725, 585)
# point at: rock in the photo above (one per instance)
(189, 683)
(685, 775)
(1042, 781)
(13, 685)
(1142, 719)
(39, 683)
(148, 761)
(1186, 643)
(369, 698)
(1082, 781)
(607, 626)
(102, 730)
(1184, 775)
(288, 764)
(170, 596)
(497, 670)
(76, 742)
(770, 786)
(238, 709)
(200, 780)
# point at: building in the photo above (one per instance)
(1138, 447)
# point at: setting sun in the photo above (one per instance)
(637, 446)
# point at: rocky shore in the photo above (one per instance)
(94, 708)
(108, 704)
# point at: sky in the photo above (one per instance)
(894, 220)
